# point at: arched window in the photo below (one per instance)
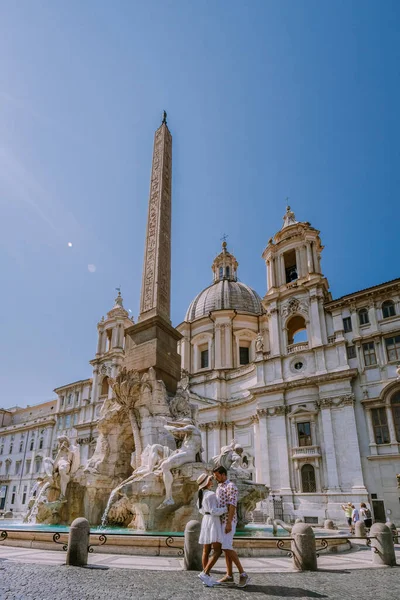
(296, 330)
(227, 272)
(308, 479)
(388, 309)
(363, 316)
(289, 259)
(395, 402)
(104, 387)
(221, 272)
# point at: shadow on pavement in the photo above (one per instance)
(283, 592)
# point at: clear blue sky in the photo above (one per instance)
(265, 99)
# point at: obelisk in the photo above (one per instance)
(152, 341)
(155, 298)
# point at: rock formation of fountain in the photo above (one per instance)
(160, 493)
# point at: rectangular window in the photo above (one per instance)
(14, 492)
(351, 352)
(379, 423)
(76, 418)
(62, 401)
(304, 434)
(67, 421)
(204, 359)
(77, 397)
(17, 467)
(369, 354)
(31, 445)
(11, 448)
(21, 446)
(347, 326)
(244, 355)
(363, 316)
(393, 347)
(69, 398)
(27, 467)
(24, 494)
(1, 449)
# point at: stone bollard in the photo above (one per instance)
(359, 529)
(329, 524)
(78, 543)
(393, 529)
(303, 548)
(384, 553)
(193, 550)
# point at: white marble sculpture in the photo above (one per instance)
(230, 457)
(189, 452)
(65, 464)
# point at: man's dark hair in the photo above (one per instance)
(221, 470)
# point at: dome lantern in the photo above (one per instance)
(225, 265)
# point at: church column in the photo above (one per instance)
(269, 284)
(346, 404)
(282, 269)
(185, 350)
(273, 272)
(298, 263)
(264, 454)
(100, 342)
(216, 437)
(390, 422)
(310, 263)
(114, 337)
(372, 317)
(371, 434)
(332, 477)
(218, 349)
(274, 333)
(315, 321)
(257, 448)
(354, 321)
(278, 424)
(315, 257)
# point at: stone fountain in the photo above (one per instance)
(148, 453)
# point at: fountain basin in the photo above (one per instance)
(247, 544)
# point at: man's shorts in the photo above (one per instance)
(227, 538)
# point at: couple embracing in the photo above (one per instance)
(218, 526)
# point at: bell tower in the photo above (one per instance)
(293, 255)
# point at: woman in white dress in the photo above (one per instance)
(211, 527)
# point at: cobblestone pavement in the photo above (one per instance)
(19, 581)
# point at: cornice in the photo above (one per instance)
(40, 422)
(363, 295)
(313, 380)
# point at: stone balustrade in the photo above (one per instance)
(292, 348)
(306, 451)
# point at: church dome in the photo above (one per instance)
(226, 292)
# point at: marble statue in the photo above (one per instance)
(189, 452)
(230, 457)
(237, 463)
(65, 464)
(259, 343)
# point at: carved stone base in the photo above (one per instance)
(153, 343)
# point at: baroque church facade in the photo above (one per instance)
(308, 385)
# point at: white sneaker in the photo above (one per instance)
(206, 579)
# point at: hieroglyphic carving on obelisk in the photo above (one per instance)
(156, 283)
